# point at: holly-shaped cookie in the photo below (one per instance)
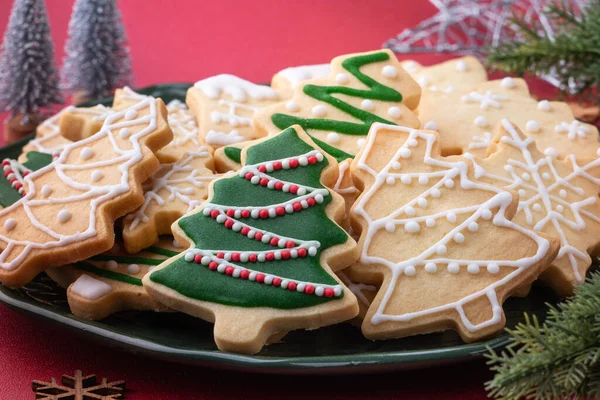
(263, 248)
(556, 197)
(440, 242)
(69, 207)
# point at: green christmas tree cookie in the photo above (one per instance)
(263, 248)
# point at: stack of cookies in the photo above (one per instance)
(412, 199)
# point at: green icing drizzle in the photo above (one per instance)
(126, 259)
(161, 251)
(198, 282)
(35, 161)
(233, 153)
(116, 276)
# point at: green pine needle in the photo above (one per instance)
(558, 359)
(573, 55)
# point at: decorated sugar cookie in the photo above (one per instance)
(364, 293)
(174, 190)
(76, 123)
(224, 106)
(69, 206)
(556, 197)
(286, 80)
(440, 242)
(465, 120)
(12, 181)
(112, 281)
(458, 74)
(338, 110)
(263, 248)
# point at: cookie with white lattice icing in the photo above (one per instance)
(224, 106)
(440, 242)
(459, 74)
(465, 120)
(558, 197)
(112, 281)
(69, 207)
(286, 80)
(174, 190)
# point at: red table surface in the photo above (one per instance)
(183, 41)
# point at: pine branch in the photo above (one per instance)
(557, 359)
(572, 55)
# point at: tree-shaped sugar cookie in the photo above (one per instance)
(69, 206)
(112, 281)
(556, 197)
(458, 74)
(76, 123)
(224, 106)
(263, 248)
(174, 190)
(465, 120)
(441, 243)
(286, 80)
(338, 110)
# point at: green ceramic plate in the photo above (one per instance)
(178, 337)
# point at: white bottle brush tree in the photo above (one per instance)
(97, 60)
(29, 84)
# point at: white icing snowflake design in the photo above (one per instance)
(485, 100)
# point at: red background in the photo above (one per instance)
(183, 41)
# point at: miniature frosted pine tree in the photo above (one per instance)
(97, 60)
(28, 75)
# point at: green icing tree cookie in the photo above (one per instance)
(263, 248)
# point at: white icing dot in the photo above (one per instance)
(546, 176)
(551, 152)
(537, 207)
(367, 105)
(113, 265)
(394, 112)
(449, 183)
(451, 217)
(341, 78)
(493, 268)
(481, 121)
(405, 153)
(473, 268)
(406, 179)
(461, 66)
(473, 227)
(124, 133)
(133, 268)
(544, 105)
(292, 106)
(97, 175)
(435, 193)
(430, 222)
(522, 192)
(389, 71)
(390, 180)
(319, 110)
(459, 238)
(441, 249)
(508, 82)
(423, 180)
(562, 193)
(333, 138)
(409, 211)
(525, 176)
(46, 190)
(396, 165)
(10, 224)
(453, 268)
(424, 81)
(560, 208)
(410, 271)
(430, 126)
(412, 227)
(430, 267)
(63, 216)
(422, 202)
(532, 126)
(390, 227)
(360, 143)
(130, 114)
(412, 142)
(86, 153)
(486, 214)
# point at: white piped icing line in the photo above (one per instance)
(357, 288)
(542, 193)
(433, 259)
(17, 250)
(239, 89)
(15, 173)
(574, 129)
(344, 168)
(183, 124)
(165, 181)
(296, 75)
(224, 261)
